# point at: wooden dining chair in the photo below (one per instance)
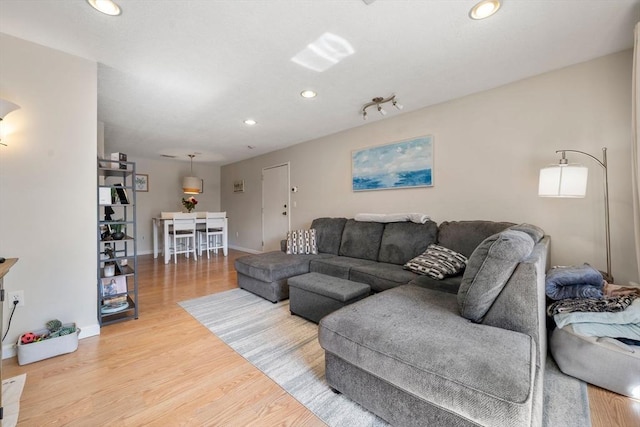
(184, 235)
(211, 237)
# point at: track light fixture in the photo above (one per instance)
(378, 101)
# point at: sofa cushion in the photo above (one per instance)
(338, 266)
(402, 241)
(302, 242)
(448, 284)
(328, 234)
(437, 262)
(488, 270)
(535, 232)
(361, 239)
(381, 276)
(465, 236)
(414, 339)
(273, 266)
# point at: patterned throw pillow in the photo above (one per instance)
(302, 242)
(437, 262)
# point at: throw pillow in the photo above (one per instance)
(437, 262)
(489, 268)
(302, 242)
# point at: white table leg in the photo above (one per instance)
(155, 238)
(165, 248)
(225, 250)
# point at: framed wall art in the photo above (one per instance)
(403, 164)
(142, 182)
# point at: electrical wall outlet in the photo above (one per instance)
(16, 296)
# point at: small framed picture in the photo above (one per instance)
(115, 285)
(238, 186)
(142, 182)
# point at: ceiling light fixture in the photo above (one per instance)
(378, 101)
(250, 122)
(108, 7)
(192, 184)
(5, 108)
(308, 94)
(484, 9)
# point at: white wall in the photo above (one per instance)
(47, 186)
(165, 192)
(489, 148)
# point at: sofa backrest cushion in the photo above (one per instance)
(361, 239)
(488, 270)
(328, 234)
(403, 241)
(535, 232)
(465, 236)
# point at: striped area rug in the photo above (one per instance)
(286, 349)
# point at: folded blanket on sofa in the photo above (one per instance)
(581, 281)
(418, 218)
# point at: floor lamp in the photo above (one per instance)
(570, 180)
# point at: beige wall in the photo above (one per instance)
(165, 192)
(48, 186)
(489, 148)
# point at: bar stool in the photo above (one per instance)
(184, 235)
(211, 237)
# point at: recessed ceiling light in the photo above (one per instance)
(484, 9)
(108, 7)
(308, 94)
(250, 122)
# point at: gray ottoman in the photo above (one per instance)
(314, 295)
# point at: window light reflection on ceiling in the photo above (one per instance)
(325, 52)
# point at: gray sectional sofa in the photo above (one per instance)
(465, 350)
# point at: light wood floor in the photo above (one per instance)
(165, 369)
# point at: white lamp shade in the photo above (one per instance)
(191, 185)
(6, 107)
(563, 181)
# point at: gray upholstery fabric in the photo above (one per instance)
(536, 233)
(338, 289)
(402, 241)
(361, 239)
(315, 295)
(414, 339)
(328, 234)
(381, 276)
(276, 265)
(448, 284)
(273, 291)
(339, 266)
(524, 294)
(488, 269)
(465, 236)
(596, 360)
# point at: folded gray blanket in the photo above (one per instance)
(581, 281)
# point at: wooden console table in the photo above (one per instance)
(4, 269)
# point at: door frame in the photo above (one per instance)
(288, 165)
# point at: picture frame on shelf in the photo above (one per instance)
(113, 286)
(141, 182)
(122, 194)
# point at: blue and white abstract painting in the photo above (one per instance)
(399, 165)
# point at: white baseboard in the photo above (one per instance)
(9, 350)
(239, 248)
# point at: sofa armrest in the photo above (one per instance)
(520, 306)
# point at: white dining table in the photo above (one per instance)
(164, 224)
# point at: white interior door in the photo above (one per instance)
(275, 206)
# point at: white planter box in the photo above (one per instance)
(35, 351)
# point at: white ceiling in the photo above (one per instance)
(180, 76)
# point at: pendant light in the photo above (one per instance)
(191, 184)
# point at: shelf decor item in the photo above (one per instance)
(189, 204)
